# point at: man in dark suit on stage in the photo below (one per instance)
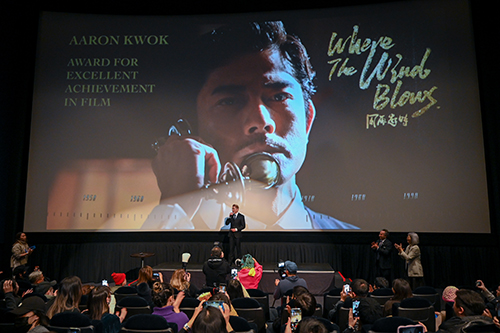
(236, 220)
(382, 248)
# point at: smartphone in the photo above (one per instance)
(222, 288)
(156, 275)
(355, 308)
(296, 317)
(234, 273)
(104, 282)
(215, 304)
(347, 288)
(411, 329)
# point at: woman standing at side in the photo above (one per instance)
(411, 255)
(20, 251)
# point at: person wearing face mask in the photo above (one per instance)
(30, 316)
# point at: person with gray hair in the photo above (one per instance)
(412, 255)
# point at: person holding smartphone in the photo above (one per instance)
(369, 308)
(20, 251)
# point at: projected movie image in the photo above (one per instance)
(349, 119)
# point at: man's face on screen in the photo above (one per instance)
(254, 104)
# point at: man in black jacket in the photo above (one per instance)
(237, 223)
(216, 268)
(382, 248)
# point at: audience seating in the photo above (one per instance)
(147, 323)
(330, 299)
(390, 324)
(430, 294)
(135, 305)
(124, 291)
(251, 310)
(188, 305)
(382, 295)
(419, 310)
(241, 325)
(262, 298)
(70, 322)
(343, 318)
(330, 327)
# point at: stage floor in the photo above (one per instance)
(320, 278)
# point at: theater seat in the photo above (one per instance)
(70, 322)
(147, 323)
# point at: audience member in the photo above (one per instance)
(291, 280)
(411, 255)
(383, 249)
(10, 291)
(235, 289)
(216, 268)
(212, 320)
(98, 311)
(469, 307)
(20, 274)
(486, 293)
(120, 280)
(448, 296)
(30, 316)
(310, 325)
(369, 308)
(144, 283)
(181, 281)
(40, 284)
(68, 296)
(167, 305)
(20, 251)
(219, 296)
(380, 282)
(250, 273)
(402, 290)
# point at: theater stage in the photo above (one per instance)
(320, 278)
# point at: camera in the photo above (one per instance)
(281, 269)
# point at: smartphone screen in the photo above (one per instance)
(355, 308)
(215, 304)
(296, 317)
(347, 288)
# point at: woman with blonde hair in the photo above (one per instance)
(68, 296)
(181, 281)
